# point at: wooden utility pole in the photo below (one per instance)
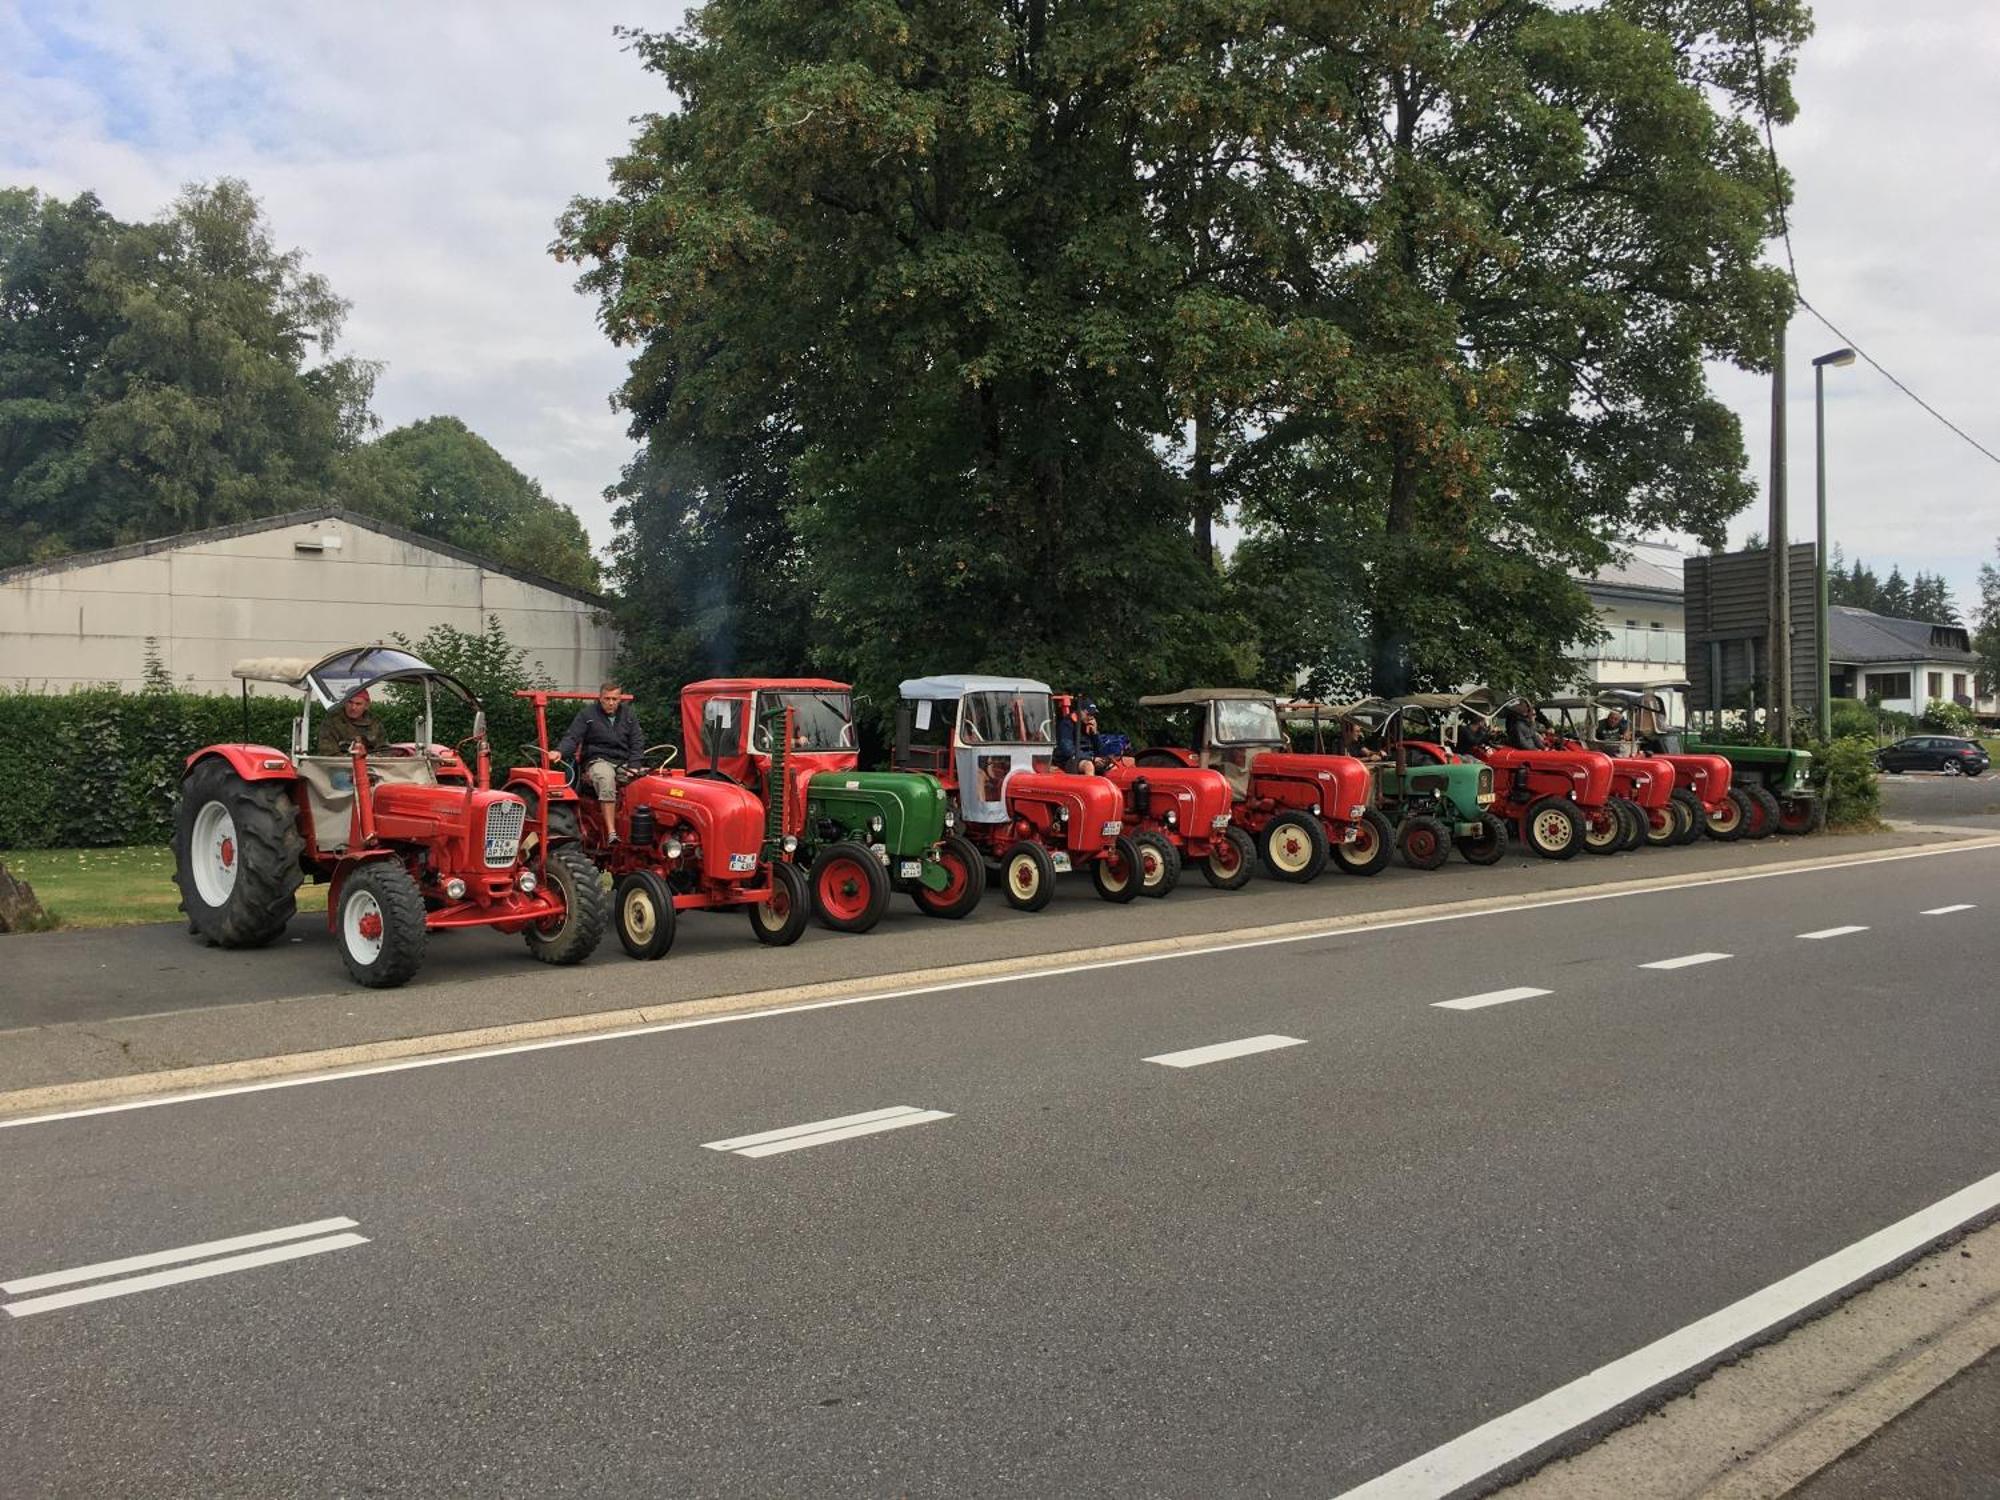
(1780, 620)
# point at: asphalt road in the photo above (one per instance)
(1952, 801)
(1283, 1272)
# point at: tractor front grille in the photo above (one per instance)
(504, 820)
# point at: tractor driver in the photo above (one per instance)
(347, 726)
(1076, 738)
(1523, 731)
(1354, 741)
(603, 737)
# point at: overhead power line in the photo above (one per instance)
(1791, 261)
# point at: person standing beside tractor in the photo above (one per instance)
(601, 740)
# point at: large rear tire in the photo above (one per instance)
(779, 921)
(850, 889)
(1801, 815)
(1028, 876)
(1374, 843)
(644, 910)
(1230, 861)
(1553, 828)
(586, 910)
(1120, 872)
(965, 874)
(1731, 820)
(1763, 821)
(1424, 841)
(237, 848)
(1294, 847)
(379, 924)
(1489, 845)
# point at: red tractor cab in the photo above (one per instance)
(991, 742)
(1176, 814)
(1556, 800)
(409, 838)
(1295, 807)
(684, 843)
(1642, 788)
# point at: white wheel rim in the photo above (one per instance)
(356, 925)
(1291, 850)
(640, 918)
(1551, 831)
(1155, 867)
(1024, 877)
(214, 853)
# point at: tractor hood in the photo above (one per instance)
(1344, 783)
(724, 820)
(422, 812)
(1092, 803)
(1199, 798)
(909, 804)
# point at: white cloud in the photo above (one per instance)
(420, 153)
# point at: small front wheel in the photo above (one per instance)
(1028, 876)
(1692, 815)
(644, 909)
(1118, 871)
(1424, 841)
(1228, 865)
(1159, 863)
(850, 888)
(379, 924)
(778, 920)
(1294, 847)
(1553, 828)
(1763, 819)
(1368, 852)
(1730, 819)
(965, 880)
(1489, 845)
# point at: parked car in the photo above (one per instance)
(1934, 752)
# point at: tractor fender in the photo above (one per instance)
(545, 781)
(1092, 803)
(251, 762)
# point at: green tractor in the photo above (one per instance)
(861, 834)
(1777, 780)
(1435, 800)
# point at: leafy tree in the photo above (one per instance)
(1930, 599)
(1894, 599)
(494, 668)
(1986, 637)
(441, 478)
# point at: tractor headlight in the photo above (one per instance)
(790, 844)
(671, 848)
(528, 883)
(1358, 811)
(1173, 818)
(1062, 815)
(875, 824)
(1315, 809)
(950, 818)
(454, 888)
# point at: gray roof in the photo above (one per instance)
(1650, 568)
(953, 687)
(1860, 635)
(295, 518)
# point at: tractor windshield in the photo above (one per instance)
(1006, 718)
(1247, 721)
(820, 721)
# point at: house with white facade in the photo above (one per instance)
(1903, 665)
(1640, 606)
(300, 584)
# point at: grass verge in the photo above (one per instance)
(112, 887)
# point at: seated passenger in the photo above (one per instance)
(1076, 738)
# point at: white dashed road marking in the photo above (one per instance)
(1945, 911)
(1687, 961)
(1194, 1057)
(823, 1132)
(1491, 997)
(1830, 932)
(302, 1240)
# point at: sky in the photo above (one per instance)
(420, 154)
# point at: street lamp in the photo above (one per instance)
(1823, 709)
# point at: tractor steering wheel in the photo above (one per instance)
(666, 758)
(553, 759)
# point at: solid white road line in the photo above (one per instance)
(1830, 932)
(1491, 997)
(1945, 911)
(130, 1284)
(1529, 906)
(1527, 1429)
(1687, 961)
(1194, 1057)
(822, 1132)
(171, 1257)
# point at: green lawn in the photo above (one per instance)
(112, 887)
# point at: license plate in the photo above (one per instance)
(500, 850)
(742, 864)
(1061, 862)
(910, 869)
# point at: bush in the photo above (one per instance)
(1941, 717)
(1844, 772)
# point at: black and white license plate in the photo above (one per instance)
(742, 864)
(910, 869)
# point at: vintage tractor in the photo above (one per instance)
(1298, 808)
(684, 843)
(410, 839)
(1778, 781)
(991, 740)
(862, 834)
(1434, 799)
(1176, 814)
(1556, 801)
(1642, 787)
(1702, 783)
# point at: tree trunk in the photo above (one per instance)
(1201, 474)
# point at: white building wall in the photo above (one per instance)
(211, 604)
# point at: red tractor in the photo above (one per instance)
(991, 742)
(1703, 784)
(1297, 808)
(685, 843)
(1642, 788)
(409, 838)
(1556, 801)
(1176, 814)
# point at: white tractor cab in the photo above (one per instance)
(979, 731)
(409, 839)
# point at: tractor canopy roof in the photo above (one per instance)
(1361, 711)
(1194, 697)
(1439, 702)
(712, 685)
(333, 679)
(950, 688)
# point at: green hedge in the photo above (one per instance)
(1844, 771)
(98, 767)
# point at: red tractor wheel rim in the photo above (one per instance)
(956, 878)
(227, 854)
(777, 908)
(1224, 857)
(1023, 875)
(1152, 868)
(1422, 842)
(843, 890)
(1364, 839)
(370, 926)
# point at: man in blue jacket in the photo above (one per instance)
(1076, 738)
(603, 737)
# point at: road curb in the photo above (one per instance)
(51, 1098)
